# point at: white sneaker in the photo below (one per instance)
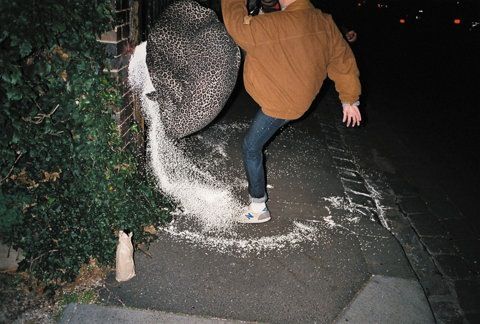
(251, 217)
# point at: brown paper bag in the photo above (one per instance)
(125, 267)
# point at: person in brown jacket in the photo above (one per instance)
(288, 55)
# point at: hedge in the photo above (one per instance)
(66, 185)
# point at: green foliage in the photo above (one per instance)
(66, 185)
(82, 297)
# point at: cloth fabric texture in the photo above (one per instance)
(289, 54)
(261, 130)
(193, 65)
(257, 207)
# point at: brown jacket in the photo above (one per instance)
(288, 56)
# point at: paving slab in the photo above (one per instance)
(389, 300)
(304, 284)
(80, 314)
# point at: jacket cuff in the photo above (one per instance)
(356, 104)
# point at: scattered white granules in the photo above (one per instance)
(377, 197)
(354, 219)
(298, 234)
(340, 203)
(343, 204)
(207, 199)
(329, 222)
(200, 194)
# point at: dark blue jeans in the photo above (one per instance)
(261, 130)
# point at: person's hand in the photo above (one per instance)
(351, 115)
(351, 36)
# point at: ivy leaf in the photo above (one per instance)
(6, 78)
(25, 49)
(15, 139)
(14, 95)
(3, 36)
(15, 77)
(60, 28)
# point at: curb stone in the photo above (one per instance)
(388, 300)
(79, 313)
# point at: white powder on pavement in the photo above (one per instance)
(298, 234)
(353, 219)
(377, 197)
(339, 203)
(329, 221)
(204, 197)
(200, 194)
(342, 203)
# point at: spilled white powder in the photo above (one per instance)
(377, 197)
(342, 203)
(298, 234)
(339, 203)
(330, 222)
(217, 140)
(201, 195)
(355, 219)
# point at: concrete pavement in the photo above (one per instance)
(364, 225)
(314, 262)
(93, 314)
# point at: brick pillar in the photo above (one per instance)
(119, 44)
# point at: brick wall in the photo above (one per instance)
(119, 44)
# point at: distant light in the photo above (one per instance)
(420, 10)
(402, 21)
(457, 21)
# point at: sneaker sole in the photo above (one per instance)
(255, 221)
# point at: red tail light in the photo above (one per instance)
(457, 21)
(402, 21)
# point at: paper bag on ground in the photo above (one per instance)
(125, 267)
(9, 258)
